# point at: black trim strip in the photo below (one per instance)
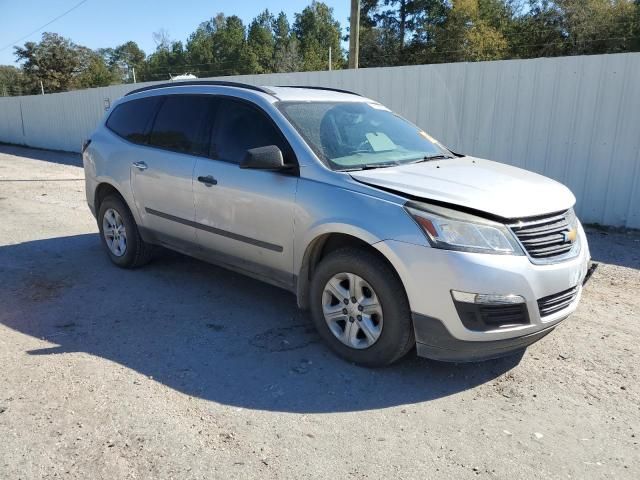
(216, 231)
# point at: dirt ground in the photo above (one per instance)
(184, 370)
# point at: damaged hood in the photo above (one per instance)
(490, 187)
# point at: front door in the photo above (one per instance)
(244, 216)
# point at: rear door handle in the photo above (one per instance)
(208, 180)
(140, 165)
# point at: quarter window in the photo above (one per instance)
(132, 119)
(183, 124)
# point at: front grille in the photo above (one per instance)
(556, 302)
(545, 238)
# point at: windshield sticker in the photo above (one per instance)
(380, 142)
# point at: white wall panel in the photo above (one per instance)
(575, 119)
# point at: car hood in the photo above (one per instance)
(483, 185)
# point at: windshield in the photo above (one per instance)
(353, 136)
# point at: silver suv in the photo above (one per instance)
(389, 238)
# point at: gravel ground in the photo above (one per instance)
(184, 370)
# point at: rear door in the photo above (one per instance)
(163, 178)
(245, 217)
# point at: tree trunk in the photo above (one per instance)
(403, 22)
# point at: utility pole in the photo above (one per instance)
(41, 87)
(354, 34)
(133, 70)
(329, 58)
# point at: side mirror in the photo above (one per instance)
(263, 158)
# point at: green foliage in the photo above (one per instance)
(261, 42)
(286, 49)
(92, 70)
(61, 65)
(317, 31)
(12, 81)
(54, 61)
(220, 47)
(124, 60)
(392, 32)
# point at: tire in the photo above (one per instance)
(136, 252)
(395, 328)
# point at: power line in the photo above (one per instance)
(43, 26)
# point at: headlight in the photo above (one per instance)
(452, 230)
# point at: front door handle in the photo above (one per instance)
(208, 180)
(140, 165)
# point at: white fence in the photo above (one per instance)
(575, 119)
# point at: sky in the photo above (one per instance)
(108, 23)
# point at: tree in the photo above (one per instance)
(53, 61)
(219, 47)
(598, 26)
(235, 57)
(93, 70)
(318, 31)
(286, 49)
(378, 39)
(12, 81)
(539, 32)
(61, 65)
(125, 58)
(399, 32)
(170, 58)
(466, 34)
(402, 16)
(261, 41)
(424, 19)
(200, 48)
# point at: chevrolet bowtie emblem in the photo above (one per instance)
(570, 236)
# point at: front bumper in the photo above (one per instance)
(439, 344)
(429, 275)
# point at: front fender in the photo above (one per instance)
(323, 209)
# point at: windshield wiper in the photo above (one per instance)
(370, 166)
(428, 158)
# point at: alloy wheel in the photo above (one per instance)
(352, 310)
(114, 232)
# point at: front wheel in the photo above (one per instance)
(360, 308)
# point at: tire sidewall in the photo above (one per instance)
(397, 329)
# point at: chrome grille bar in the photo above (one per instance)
(556, 302)
(545, 237)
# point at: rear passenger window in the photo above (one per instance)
(131, 120)
(239, 128)
(183, 124)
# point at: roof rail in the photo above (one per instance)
(216, 83)
(339, 90)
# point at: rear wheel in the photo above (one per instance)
(120, 235)
(360, 308)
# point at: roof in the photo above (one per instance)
(315, 94)
(282, 93)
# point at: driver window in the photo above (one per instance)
(241, 127)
